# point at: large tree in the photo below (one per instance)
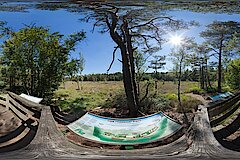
(131, 28)
(217, 35)
(36, 59)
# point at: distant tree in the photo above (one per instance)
(199, 61)
(140, 67)
(36, 59)
(217, 35)
(180, 58)
(74, 69)
(233, 74)
(157, 63)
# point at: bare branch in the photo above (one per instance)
(214, 50)
(150, 21)
(96, 23)
(146, 93)
(114, 52)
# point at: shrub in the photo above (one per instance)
(196, 90)
(2, 85)
(188, 102)
(171, 96)
(154, 104)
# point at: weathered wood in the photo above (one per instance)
(49, 143)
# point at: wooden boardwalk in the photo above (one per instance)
(49, 143)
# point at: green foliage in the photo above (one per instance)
(72, 106)
(2, 84)
(188, 103)
(35, 59)
(196, 90)
(220, 37)
(154, 104)
(139, 61)
(171, 96)
(233, 74)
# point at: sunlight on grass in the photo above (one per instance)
(95, 94)
(92, 95)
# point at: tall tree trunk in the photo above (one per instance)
(156, 85)
(81, 82)
(220, 67)
(207, 74)
(64, 85)
(78, 85)
(185, 120)
(128, 82)
(130, 50)
(202, 77)
(124, 42)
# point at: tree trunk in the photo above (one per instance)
(78, 85)
(124, 42)
(207, 74)
(202, 76)
(64, 85)
(185, 120)
(81, 82)
(128, 82)
(220, 68)
(130, 50)
(156, 85)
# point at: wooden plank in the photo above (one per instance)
(18, 113)
(18, 138)
(16, 104)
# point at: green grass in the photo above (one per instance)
(189, 103)
(109, 94)
(91, 96)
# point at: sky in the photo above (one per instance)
(97, 48)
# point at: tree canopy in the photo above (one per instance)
(233, 74)
(218, 35)
(35, 59)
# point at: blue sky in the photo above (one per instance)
(97, 48)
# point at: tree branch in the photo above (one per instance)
(96, 23)
(146, 93)
(114, 52)
(150, 21)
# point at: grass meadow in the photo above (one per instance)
(96, 94)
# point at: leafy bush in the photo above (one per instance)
(171, 96)
(2, 84)
(196, 90)
(188, 102)
(154, 104)
(233, 74)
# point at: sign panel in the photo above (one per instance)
(124, 131)
(31, 98)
